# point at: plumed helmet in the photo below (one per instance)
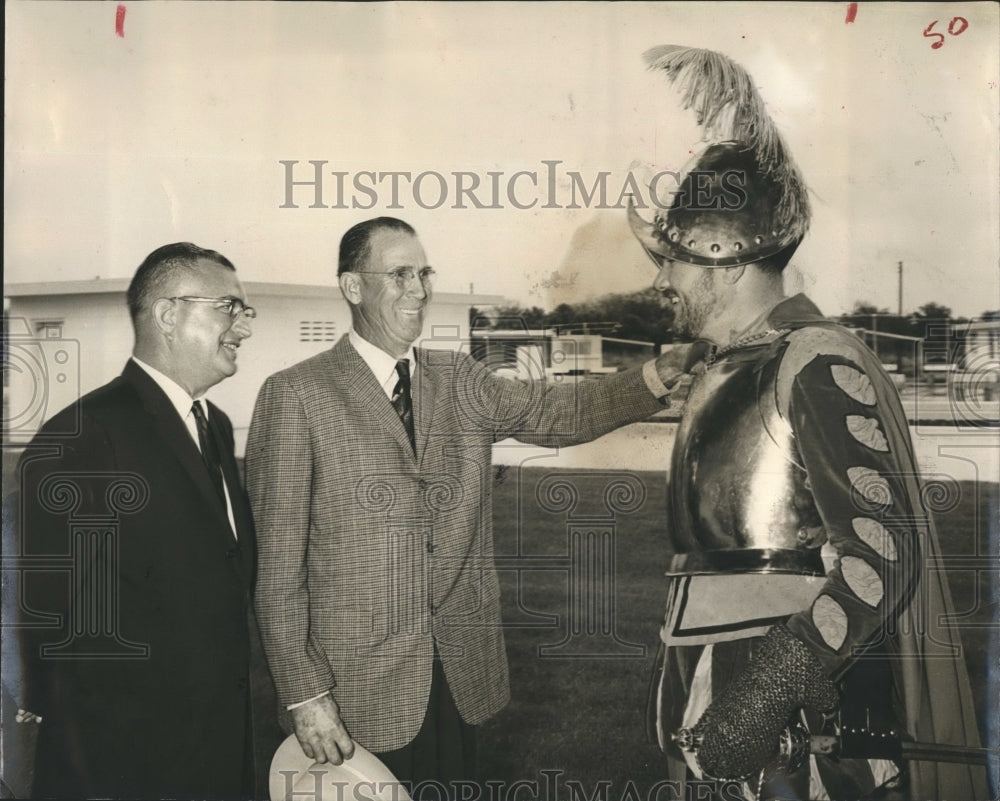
(741, 199)
(724, 213)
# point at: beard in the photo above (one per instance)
(693, 308)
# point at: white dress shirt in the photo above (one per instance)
(382, 365)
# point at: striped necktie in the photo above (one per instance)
(209, 450)
(402, 402)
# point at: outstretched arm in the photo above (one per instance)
(553, 414)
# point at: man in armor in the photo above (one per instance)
(803, 590)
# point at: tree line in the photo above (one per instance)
(644, 315)
(647, 316)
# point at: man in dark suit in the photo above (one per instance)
(378, 598)
(136, 640)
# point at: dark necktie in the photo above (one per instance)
(402, 402)
(209, 451)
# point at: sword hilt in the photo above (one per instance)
(687, 740)
(796, 744)
(875, 745)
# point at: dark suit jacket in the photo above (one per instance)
(372, 556)
(142, 675)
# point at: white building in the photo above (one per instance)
(544, 352)
(67, 338)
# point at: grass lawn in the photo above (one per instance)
(585, 716)
(578, 707)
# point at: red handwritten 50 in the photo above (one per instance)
(955, 27)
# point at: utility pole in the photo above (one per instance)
(900, 273)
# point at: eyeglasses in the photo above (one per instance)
(404, 276)
(234, 307)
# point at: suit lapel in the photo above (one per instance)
(368, 393)
(426, 384)
(237, 497)
(178, 440)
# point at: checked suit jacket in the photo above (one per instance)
(370, 556)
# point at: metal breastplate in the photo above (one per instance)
(736, 480)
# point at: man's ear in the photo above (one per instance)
(731, 275)
(164, 314)
(350, 285)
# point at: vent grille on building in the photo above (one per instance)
(317, 331)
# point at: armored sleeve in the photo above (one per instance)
(852, 439)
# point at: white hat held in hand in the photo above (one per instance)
(363, 777)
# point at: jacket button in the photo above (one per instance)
(423, 483)
(232, 553)
(430, 547)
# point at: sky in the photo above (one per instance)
(129, 125)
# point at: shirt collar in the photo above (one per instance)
(178, 396)
(382, 365)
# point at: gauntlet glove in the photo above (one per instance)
(739, 730)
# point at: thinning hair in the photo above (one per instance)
(355, 245)
(160, 268)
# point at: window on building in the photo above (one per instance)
(317, 331)
(49, 329)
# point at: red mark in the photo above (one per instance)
(954, 29)
(852, 13)
(928, 34)
(120, 21)
(958, 25)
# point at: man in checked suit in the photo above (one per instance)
(142, 682)
(368, 468)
